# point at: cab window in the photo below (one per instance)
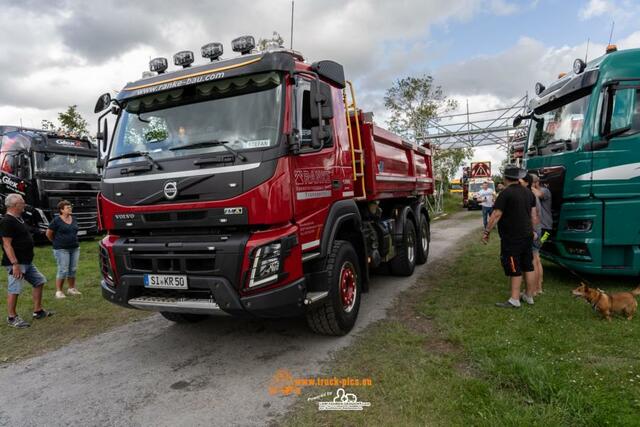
(625, 110)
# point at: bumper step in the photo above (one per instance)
(177, 305)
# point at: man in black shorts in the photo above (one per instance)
(515, 212)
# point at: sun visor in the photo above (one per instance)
(558, 95)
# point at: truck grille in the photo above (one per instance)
(172, 262)
(86, 220)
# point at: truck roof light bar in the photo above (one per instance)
(158, 65)
(183, 58)
(243, 44)
(213, 51)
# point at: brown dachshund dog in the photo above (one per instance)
(606, 304)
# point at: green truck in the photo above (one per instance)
(584, 143)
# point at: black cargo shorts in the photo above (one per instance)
(516, 256)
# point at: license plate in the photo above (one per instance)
(82, 232)
(165, 281)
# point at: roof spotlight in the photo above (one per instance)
(243, 44)
(539, 88)
(579, 66)
(213, 51)
(183, 58)
(159, 65)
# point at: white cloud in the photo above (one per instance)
(503, 7)
(69, 51)
(595, 8)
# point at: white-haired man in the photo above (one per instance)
(17, 257)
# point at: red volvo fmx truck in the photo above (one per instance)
(254, 186)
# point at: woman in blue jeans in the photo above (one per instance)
(63, 233)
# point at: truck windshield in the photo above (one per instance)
(561, 127)
(243, 112)
(65, 163)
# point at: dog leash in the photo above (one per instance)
(582, 279)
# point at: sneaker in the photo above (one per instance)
(73, 291)
(60, 295)
(42, 314)
(17, 322)
(525, 298)
(506, 304)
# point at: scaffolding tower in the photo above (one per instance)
(477, 129)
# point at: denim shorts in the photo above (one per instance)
(67, 261)
(31, 275)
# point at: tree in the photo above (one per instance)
(276, 38)
(72, 121)
(69, 121)
(413, 101)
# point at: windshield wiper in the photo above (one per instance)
(204, 144)
(132, 154)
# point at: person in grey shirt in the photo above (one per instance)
(543, 195)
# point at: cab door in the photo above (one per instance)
(615, 176)
(315, 175)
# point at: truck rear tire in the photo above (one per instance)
(404, 262)
(183, 317)
(424, 239)
(337, 314)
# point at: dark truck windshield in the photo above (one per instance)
(241, 113)
(558, 129)
(65, 163)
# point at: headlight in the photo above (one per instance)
(266, 264)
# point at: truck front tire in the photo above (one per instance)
(183, 317)
(337, 314)
(404, 262)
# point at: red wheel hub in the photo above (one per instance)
(348, 286)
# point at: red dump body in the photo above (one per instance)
(393, 167)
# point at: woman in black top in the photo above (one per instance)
(63, 232)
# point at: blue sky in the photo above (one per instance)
(552, 22)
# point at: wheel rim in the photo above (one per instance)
(411, 246)
(425, 238)
(348, 288)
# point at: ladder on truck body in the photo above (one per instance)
(357, 153)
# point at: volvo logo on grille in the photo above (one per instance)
(171, 190)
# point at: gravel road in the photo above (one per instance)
(217, 372)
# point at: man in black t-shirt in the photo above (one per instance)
(17, 258)
(515, 212)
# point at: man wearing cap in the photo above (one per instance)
(514, 212)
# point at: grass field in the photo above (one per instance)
(449, 357)
(76, 317)
(451, 202)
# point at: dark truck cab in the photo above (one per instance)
(45, 168)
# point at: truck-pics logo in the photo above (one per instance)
(171, 190)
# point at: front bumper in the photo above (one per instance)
(222, 298)
(218, 268)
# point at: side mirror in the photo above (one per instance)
(103, 102)
(320, 99)
(517, 121)
(103, 148)
(320, 135)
